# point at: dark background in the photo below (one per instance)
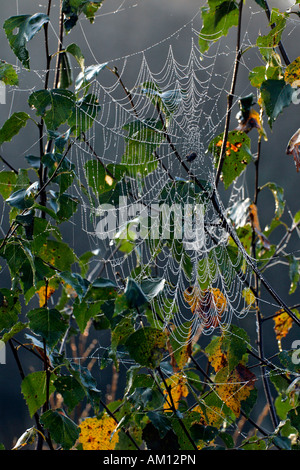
(123, 29)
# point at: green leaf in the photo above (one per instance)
(48, 323)
(99, 178)
(218, 17)
(34, 389)
(9, 308)
(84, 114)
(70, 389)
(16, 328)
(160, 422)
(57, 254)
(238, 155)
(87, 75)
(64, 174)
(54, 106)
(144, 137)
(146, 346)
(203, 433)
(8, 180)
(26, 26)
(168, 101)
(21, 199)
(13, 126)
(65, 71)
(152, 287)
(276, 95)
(294, 272)
(121, 332)
(72, 9)
(88, 383)
(261, 3)
(232, 345)
(64, 205)
(75, 51)
(180, 343)
(266, 44)
(62, 429)
(254, 443)
(278, 193)
(8, 75)
(77, 282)
(134, 294)
(84, 311)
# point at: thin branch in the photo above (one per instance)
(231, 95)
(36, 416)
(174, 409)
(60, 45)
(127, 92)
(9, 165)
(259, 341)
(111, 414)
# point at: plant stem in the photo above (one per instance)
(174, 409)
(36, 416)
(231, 95)
(256, 288)
(111, 414)
(9, 165)
(60, 45)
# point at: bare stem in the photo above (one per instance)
(231, 95)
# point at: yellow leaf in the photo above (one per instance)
(282, 325)
(98, 434)
(248, 296)
(292, 73)
(213, 416)
(235, 388)
(178, 390)
(42, 294)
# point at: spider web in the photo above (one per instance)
(205, 286)
(193, 94)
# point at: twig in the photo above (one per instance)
(111, 414)
(36, 416)
(174, 409)
(261, 355)
(9, 165)
(230, 96)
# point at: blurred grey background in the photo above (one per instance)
(124, 28)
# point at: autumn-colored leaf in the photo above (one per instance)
(256, 226)
(292, 73)
(99, 433)
(282, 325)
(236, 387)
(209, 304)
(45, 293)
(178, 390)
(252, 122)
(209, 415)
